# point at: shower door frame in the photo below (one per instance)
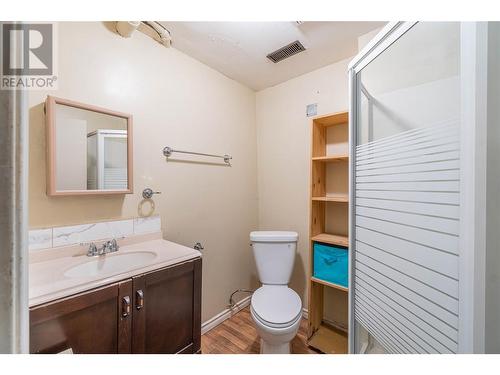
(473, 120)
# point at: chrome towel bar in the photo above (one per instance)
(168, 151)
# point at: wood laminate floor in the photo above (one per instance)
(237, 335)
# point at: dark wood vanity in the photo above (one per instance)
(155, 312)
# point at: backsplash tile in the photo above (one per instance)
(40, 238)
(75, 234)
(122, 228)
(144, 225)
(64, 236)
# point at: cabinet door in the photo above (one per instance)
(167, 310)
(90, 322)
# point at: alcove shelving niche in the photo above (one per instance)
(328, 225)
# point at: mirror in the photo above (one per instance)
(89, 149)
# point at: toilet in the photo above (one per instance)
(275, 308)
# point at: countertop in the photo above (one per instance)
(48, 282)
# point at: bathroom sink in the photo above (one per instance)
(111, 264)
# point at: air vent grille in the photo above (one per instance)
(286, 51)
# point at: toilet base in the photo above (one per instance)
(267, 348)
(275, 338)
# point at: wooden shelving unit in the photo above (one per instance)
(331, 158)
(344, 198)
(331, 239)
(329, 284)
(328, 224)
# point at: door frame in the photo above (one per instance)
(14, 295)
(473, 78)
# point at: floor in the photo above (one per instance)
(237, 335)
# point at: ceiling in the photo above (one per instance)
(238, 49)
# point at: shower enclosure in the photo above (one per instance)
(417, 177)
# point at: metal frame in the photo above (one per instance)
(168, 151)
(388, 35)
(353, 118)
(472, 262)
(370, 99)
(473, 175)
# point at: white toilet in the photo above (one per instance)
(275, 308)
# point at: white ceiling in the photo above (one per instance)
(238, 49)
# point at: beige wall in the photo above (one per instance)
(283, 150)
(364, 39)
(175, 101)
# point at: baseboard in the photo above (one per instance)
(227, 313)
(224, 315)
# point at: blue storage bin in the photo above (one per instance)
(331, 263)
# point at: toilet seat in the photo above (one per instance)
(276, 306)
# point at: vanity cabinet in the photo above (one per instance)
(166, 316)
(155, 312)
(87, 323)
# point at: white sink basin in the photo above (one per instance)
(111, 264)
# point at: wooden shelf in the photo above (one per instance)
(328, 183)
(344, 198)
(329, 284)
(339, 118)
(329, 158)
(329, 340)
(331, 239)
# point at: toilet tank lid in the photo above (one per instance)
(273, 236)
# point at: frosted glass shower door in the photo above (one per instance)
(406, 194)
(114, 169)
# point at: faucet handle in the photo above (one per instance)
(114, 245)
(92, 251)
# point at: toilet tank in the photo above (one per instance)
(274, 253)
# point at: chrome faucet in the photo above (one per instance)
(92, 251)
(107, 247)
(110, 246)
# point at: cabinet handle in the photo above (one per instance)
(139, 297)
(125, 306)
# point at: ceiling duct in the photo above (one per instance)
(286, 51)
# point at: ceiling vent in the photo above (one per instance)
(286, 51)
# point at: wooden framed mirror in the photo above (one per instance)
(89, 149)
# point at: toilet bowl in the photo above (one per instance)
(275, 308)
(276, 311)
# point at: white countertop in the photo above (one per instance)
(47, 280)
